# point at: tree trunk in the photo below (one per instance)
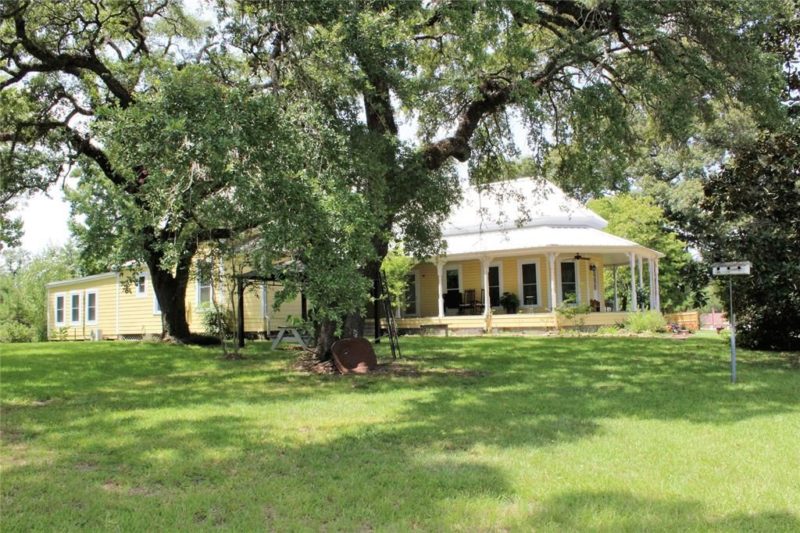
(171, 293)
(325, 337)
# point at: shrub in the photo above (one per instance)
(14, 331)
(608, 330)
(218, 322)
(570, 311)
(645, 321)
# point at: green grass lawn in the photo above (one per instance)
(470, 434)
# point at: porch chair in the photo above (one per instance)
(468, 302)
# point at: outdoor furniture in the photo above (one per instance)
(289, 334)
(452, 300)
(468, 302)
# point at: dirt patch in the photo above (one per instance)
(86, 466)
(307, 362)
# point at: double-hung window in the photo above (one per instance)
(204, 287)
(569, 282)
(141, 285)
(494, 285)
(91, 307)
(75, 308)
(60, 309)
(530, 285)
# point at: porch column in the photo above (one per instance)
(651, 282)
(551, 261)
(487, 302)
(657, 287)
(616, 298)
(641, 271)
(633, 303)
(440, 275)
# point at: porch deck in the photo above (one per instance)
(508, 322)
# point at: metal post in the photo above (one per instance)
(733, 333)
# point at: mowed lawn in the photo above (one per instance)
(466, 434)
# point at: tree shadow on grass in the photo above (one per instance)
(224, 471)
(217, 464)
(619, 511)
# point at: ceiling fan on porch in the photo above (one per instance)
(579, 257)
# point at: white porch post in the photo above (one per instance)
(641, 271)
(616, 298)
(657, 288)
(651, 282)
(633, 303)
(551, 260)
(485, 262)
(440, 274)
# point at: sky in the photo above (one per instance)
(45, 220)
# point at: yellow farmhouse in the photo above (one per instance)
(523, 238)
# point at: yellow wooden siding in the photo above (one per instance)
(125, 313)
(428, 289)
(254, 319)
(137, 315)
(278, 318)
(105, 308)
(471, 276)
(509, 275)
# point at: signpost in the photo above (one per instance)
(739, 268)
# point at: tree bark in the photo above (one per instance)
(325, 337)
(170, 290)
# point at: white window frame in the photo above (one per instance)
(499, 266)
(140, 276)
(72, 294)
(63, 297)
(456, 266)
(417, 294)
(210, 292)
(520, 294)
(86, 306)
(578, 298)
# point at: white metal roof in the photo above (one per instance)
(519, 203)
(516, 216)
(574, 239)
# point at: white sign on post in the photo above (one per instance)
(736, 268)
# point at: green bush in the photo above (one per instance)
(13, 331)
(645, 321)
(218, 322)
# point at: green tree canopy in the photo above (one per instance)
(639, 219)
(752, 212)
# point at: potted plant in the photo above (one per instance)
(510, 302)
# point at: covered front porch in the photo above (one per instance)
(473, 291)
